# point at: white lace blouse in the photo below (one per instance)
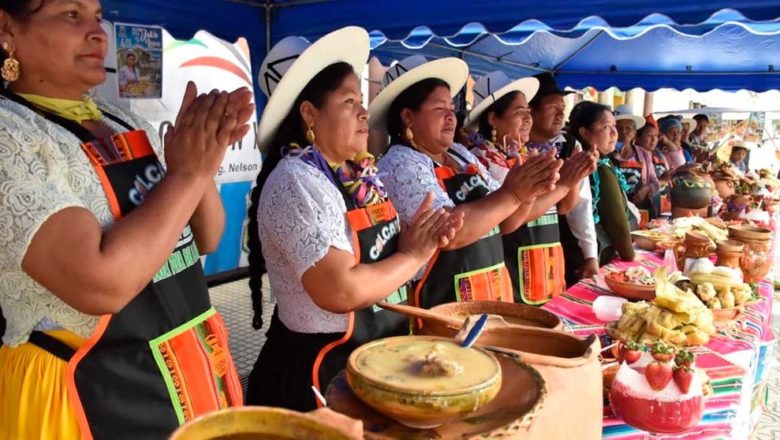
(42, 171)
(409, 175)
(300, 216)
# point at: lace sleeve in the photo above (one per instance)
(31, 191)
(408, 177)
(303, 215)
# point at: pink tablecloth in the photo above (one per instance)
(735, 359)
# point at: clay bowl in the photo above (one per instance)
(631, 291)
(729, 246)
(381, 375)
(513, 314)
(749, 232)
(257, 423)
(648, 240)
(523, 394)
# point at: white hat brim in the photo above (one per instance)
(350, 44)
(638, 120)
(528, 86)
(453, 71)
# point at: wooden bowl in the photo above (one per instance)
(522, 396)
(514, 314)
(648, 240)
(257, 422)
(631, 291)
(381, 374)
(749, 232)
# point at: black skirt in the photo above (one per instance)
(282, 375)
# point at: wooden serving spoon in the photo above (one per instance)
(449, 321)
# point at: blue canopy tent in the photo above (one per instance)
(664, 43)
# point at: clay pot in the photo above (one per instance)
(756, 260)
(729, 253)
(513, 314)
(258, 422)
(571, 369)
(691, 191)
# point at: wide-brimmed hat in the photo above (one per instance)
(724, 152)
(293, 62)
(623, 112)
(548, 86)
(410, 71)
(495, 85)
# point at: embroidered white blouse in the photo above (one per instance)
(43, 171)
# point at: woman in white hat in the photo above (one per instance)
(633, 161)
(329, 236)
(416, 108)
(532, 250)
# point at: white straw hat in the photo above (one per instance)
(410, 71)
(495, 85)
(623, 112)
(293, 62)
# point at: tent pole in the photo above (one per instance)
(556, 68)
(268, 5)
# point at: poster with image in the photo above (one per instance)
(139, 54)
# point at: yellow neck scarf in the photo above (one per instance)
(78, 111)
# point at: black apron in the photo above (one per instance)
(535, 261)
(163, 359)
(291, 362)
(632, 170)
(472, 273)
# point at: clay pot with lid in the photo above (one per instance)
(691, 191)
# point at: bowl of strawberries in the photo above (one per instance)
(660, 392)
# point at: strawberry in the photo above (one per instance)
(662, 352)
(631, 352)
(658, 375)
(683, 376)
(684, 359)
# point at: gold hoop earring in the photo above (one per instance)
(410, 136)
(493, 135)
(10, 70)
(310, 136)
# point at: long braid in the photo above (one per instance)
(290, 131)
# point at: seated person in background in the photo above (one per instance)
(671, 142)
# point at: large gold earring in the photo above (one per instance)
(410, 136)
(10, 69)
(310, 136)
(493, 136)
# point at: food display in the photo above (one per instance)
(675, 315)
(633, 283)
(661, 391)
(423, 382)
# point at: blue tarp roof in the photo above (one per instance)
(663, 43)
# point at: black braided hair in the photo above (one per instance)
(290, 131)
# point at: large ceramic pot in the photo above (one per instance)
(257, 422)
(572, 371)
(691, 191)
(729, 253)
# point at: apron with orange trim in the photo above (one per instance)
(662, 202)
(163, 359)
(375, 232)
(472, 273)
(534, 258)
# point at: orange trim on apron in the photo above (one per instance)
(73, 392)
(315, 377)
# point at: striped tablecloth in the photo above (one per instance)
(736, 359)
